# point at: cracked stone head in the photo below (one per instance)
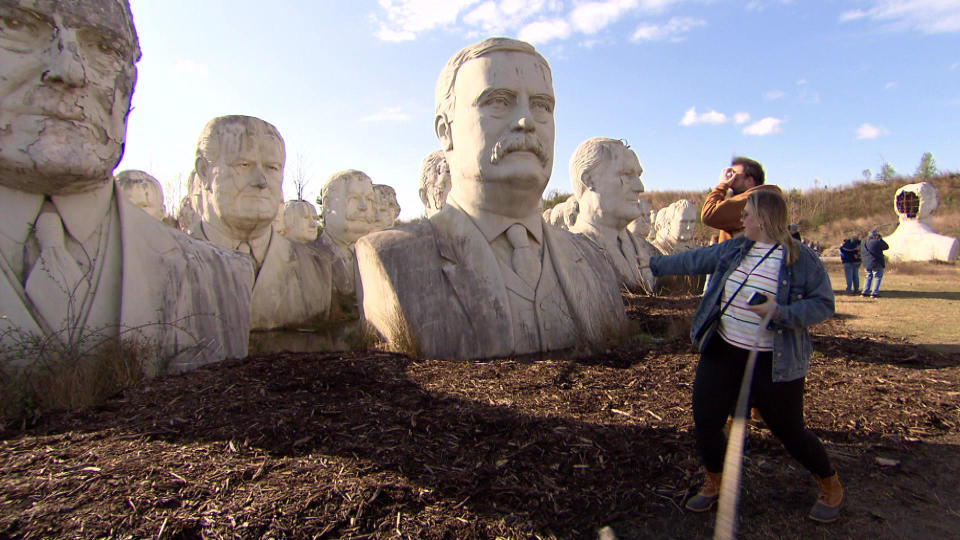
(67, 76)
(142, 190)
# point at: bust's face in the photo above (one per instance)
(245, 180)
(502, 128)
(147, 195)
(387, 206)
(68, 75)
(617, 183)
(350, 209)
(641, 225)
(438, 189)
(684, 224)
(300, 221)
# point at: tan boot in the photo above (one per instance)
(708, 494)
(827, 507)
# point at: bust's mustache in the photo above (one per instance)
(518, 143)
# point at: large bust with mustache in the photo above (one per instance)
(485, 276)
(78, 261)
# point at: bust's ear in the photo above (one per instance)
(441, 126)
(202, 168)
(587, 181)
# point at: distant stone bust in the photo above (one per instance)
(239, 174)
(605, 175)
(914, 239)
(674, 227)
(434, 182)
(563, 214)
(77, 257)
(299, 219)
(348, 208)
(485, 276)
(143, 190)
(388, 209)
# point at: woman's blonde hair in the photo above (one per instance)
(771, 210)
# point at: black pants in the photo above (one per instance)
(715, 392)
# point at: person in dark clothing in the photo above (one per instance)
(850, 257)
(795, 232)
(873, 262)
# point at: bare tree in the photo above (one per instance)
(300, 179)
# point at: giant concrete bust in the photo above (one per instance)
(485, 276)
(77, 257)
(239, 174)
(605, 176)
(674, 227)
(914, 239)
(388, 209)
(143, 190)
(299, 221)
(349, 209)
(563, 214)
(434, 182)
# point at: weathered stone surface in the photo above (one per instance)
(299, 221)
(239, 174)
(605, 176)
(63, 106)
(143, 190)
(564, 214)
(914, 239)
(434, 182)
(388, 209)
(674, 226)
(447, 287)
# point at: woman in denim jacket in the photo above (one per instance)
(769, 261)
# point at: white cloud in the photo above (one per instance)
(544, 31)
(773, 95)
(928, 16)
(869, 131)
(691, 118)
(673, 30)
(407, 18)
(191, 67)
(890, 85)
(387, 114)
(741, 118)
(592, 17)
(765, 126)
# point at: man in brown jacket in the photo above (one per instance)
(738, 180)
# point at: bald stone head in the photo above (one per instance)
(143, 190)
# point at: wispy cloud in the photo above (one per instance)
(763, 127)
(890, 85)
(191, 67)
(870, 131)
(691, 118)
(928, 16)
(674, 30)
(388, 114)
(774, 95)
(741, 118)
(538, 21)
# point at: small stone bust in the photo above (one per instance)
(143, 190)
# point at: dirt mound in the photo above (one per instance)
(377, 445)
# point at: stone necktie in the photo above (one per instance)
(56, 284)
(525, 261)
(247, 249)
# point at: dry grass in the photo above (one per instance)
(919, 302)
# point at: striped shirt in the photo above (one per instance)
(738, 326)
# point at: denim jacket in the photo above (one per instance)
(804, 297)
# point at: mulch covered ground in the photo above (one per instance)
(369, 444)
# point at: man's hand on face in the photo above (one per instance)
(727, 176)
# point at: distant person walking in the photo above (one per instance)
(850, 257)
(766, 260)
(721, 210)
(873, 262)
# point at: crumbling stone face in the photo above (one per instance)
(908, 204)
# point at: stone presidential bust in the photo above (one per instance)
(239, 175)
(434, 182)
(299, 221)
(143, 190)
(915, 239)
(484, 276)
(605, 176)
(674, 226)
(348, 208)
(76, 256)
(388, 209)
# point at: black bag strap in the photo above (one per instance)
(734, 295)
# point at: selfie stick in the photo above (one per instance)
(726, 524)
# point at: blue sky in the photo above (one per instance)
(817, 91)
